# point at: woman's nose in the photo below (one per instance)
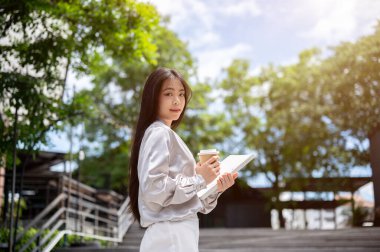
(176, 100)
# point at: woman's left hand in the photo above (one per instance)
(226, 180)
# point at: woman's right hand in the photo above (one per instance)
(209, 170)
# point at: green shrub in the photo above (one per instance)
(4, 236)
(71, 239)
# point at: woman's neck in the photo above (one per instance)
(166, 122)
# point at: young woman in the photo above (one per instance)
(164, 177)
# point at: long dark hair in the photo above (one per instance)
(149, 114)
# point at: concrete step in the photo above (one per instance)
(267, 240)
(133, 237)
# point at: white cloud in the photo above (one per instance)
(240, 8)
(205, 26)
(289, 61)
(204, 12)
(334, 21)
(194, 21)
(368, 14)
(185, 14)
(212, 61)
(208, 38)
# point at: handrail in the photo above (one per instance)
(114, 235)
(32, 239)
(104, 220)
(76, 183)
(47, 209)
(60, 234)
(110, 231)
(55, 240)
(123, 206)
(48, 235)
(93, 206)
(69, 208)
(82, 195)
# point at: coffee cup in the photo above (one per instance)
(205, 155)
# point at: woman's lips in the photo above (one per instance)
(175, 110)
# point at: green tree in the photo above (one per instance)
(115, 100)
(42, 40)
(279, 116)
(351, 77)
(113, 105)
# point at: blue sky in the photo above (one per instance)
(271, 31)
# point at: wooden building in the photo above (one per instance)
(239, 206)
(244, 206)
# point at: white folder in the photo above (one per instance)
(232, 163)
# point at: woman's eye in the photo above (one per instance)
(168, 94)
(182, 95)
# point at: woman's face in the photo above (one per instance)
(171, 101)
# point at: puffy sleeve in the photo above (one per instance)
(210, 202)
(157, 184)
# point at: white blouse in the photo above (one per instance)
(168, 182)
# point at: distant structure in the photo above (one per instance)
(244, 206)
(56, 205)
(239, 206)
(38, 186)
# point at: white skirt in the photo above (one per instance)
(172, 236)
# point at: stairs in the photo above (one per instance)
(132, 239)
(78, 209)
(131, 242)
(265, 240)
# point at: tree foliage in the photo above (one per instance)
(315, 117)
(311, 118)
(115, 100)
(352, 82)
(41, 40)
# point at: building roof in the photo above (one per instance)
(313, 204)
(325, 184)
(40, 161)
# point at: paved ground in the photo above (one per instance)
(267, 240)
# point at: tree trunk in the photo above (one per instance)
(277, 191)
(2, 182)
(11, 223)
(2, 169)
(374, 152)
(280, 214)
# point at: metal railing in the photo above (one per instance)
(72, 213)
